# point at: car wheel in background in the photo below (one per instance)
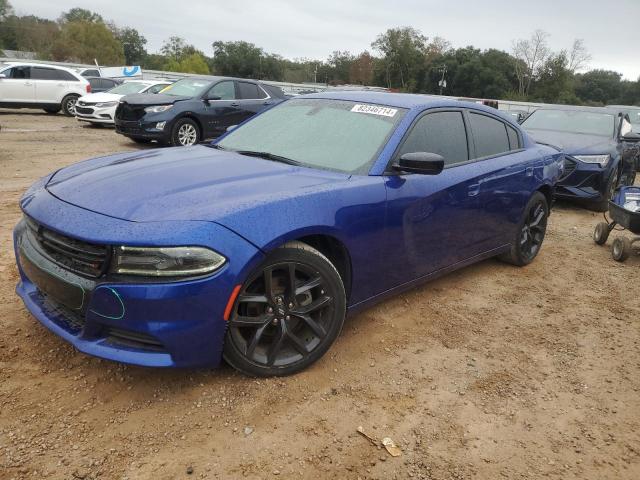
(185, 133)
(69, 105)
(612, 184)
(287, 314)
(531, 231)
(52, 110)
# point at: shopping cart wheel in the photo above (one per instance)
(621, 249)
(601, 233)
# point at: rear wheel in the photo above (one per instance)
(185, 133)
(69, 105)
(288, 313)
(621, 249)
(530, 233)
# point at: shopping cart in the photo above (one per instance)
(624, 210)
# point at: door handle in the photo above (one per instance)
(474, 190)
(267, 103)
(529, 172)
(28, 84)
(235, 104)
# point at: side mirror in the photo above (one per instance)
(423, 163)
(231, 127)
(633, 137)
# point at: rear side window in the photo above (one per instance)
(18, 72)
(514, 138)
(41, 73)
(442, 133)
(489, 134)
(250, 91)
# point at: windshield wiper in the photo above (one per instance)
(268, 156)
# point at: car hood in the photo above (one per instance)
(155, 99)
(100, 97)
(181, 183)
(574, 143)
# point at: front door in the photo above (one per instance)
(17, 86)
(221, 110)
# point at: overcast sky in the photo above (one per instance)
(293, 29)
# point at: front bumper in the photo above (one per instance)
(581, 180)
(93, 114)
(142, 129)
(135, 321)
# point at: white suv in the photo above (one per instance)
(34, 85)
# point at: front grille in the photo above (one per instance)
(569, 167)
(83, 103)
(128, 112)
(75, 255)
(86, 111)
(70, 320)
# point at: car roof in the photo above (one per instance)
(580, 108)
(398, 100)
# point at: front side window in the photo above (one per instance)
(336, 135)
(225, 90)
(572, 121)
(442, 133)
(18, 72)
(489, 135)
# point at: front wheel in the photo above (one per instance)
(531, 231)
(69, 105)
(601, 233)
(612, 184)
(287, 314)
(185, 133)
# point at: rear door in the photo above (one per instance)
(17, 86)
(51, 84)
(251, 99)
(221, 110)
(504, 178)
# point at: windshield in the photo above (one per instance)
(572, 121)
(128, 88)
(187, 87)
(634, 116)
(327, 134)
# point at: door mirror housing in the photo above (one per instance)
(423, 163)
(231, 127)
(633, 137)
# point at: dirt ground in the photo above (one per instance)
(491, 372)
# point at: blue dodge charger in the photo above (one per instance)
(255, 248)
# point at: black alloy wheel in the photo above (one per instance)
(531, 232)
(287, 314)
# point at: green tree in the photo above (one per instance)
(361, 69)
(28, 34)
(5, 9)
(554, 82)
(133, 45)
(192, 63)
(240, 59)
(599, 86)
(403, 56)
(81, 15)
(174, 48)
(340, 65)
(84, 41)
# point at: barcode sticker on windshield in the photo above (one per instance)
(375, 110)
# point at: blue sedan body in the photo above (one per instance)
(397, 231)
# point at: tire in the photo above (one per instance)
(277, 334)
(530, 233)
(69, 105)
(185, 133)
(621, 249)
(612, 184)
(52, 110)
(601, 233)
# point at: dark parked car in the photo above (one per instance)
(256, 247)
(193, 109)
(600, 153)
(99, 84)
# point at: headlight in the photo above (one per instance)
(601, 160)
(158, 108)
(106, 104)
(166, 261)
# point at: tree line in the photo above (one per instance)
(403, 59)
